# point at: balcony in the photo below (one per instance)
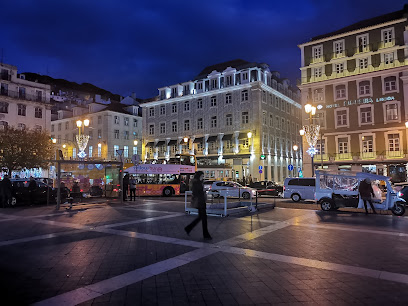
(315, 60)
(386, 44)
(337, 55)
(5, 76)
(343, 156)
(394, 154)
(368, 155)
(363, 49)
(323, 156)
(20, 96)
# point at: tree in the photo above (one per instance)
(21, 149)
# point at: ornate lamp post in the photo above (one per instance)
(81, 138)
(311, 131)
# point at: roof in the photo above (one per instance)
(237, 64)
(367, 23)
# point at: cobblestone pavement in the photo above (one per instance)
(137, 253)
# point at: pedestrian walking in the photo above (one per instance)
(366, 190)
(199, 201)
(125, 186)
(32, 187)
(250, 179)
(7, 188)
(132, 188)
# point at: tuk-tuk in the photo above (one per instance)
(340, 189)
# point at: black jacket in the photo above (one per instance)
(365, 190)
(199, 193)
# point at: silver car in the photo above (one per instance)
(231, 189)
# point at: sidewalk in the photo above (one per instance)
(138, 254)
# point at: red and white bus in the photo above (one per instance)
(160, 179)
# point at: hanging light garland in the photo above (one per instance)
(312, 135)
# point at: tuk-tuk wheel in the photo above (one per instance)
(398, 210)
(326, 205)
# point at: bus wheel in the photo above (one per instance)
(168, 192)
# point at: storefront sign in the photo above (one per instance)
(360, 101)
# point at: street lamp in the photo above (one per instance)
(295, 147)
(54, 140)
(311, 132)
(81, 138)
(135, 142)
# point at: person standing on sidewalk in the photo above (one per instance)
(132, 188)
(199, 201)
(125, 186)
(366, 190)
(7, 188)
(32, 187)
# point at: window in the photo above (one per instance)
(282, 126)
(199, 104)
(99, 134)
(134, 122)
(245, 117)
(339, 68)
(282, 103)
(186, 125)
(229, 80)
(116, 119)
(245, 76)
(393, 142)
(276, 101)
(341, 118)
(391, 111)
(4, 107)
(116, 134)
(174, 127)
(214, 121)
(214, 84)
(126, 135)
(21, 92)
(21, 126)
(21, 108)
(263, 96)
(99, 119)
(270, 120)
(52, 128)
(390, 83)
(277, 122)
(363, 63)
(67, 125)
(186, 89)
(388, 58)
(246, 143)
(387, 35)
(341, 91)
(115, 150)
(318, 72)
(228, 99)
(244, 95)
(318, 94)
(338, 47)
(59, 126)
(151, 112)
(90, 134)
(367, 144)
(362, 43)
(174, 108)
(151, 129)
(228, 120)
(174, 92)
(200, 85)
(4, 89)
(3, 125)
(187, 106)
(134, 150)
(162, 128)
(321, 146)
(126, 121)
(126, 151)
(364, 88)
(317, 52)
(264, 118)
(90, 151)
(199, 123)
(213, 101)
(366, 115)
(343, 145)
(73, 152)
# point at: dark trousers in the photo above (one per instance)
(365, 200)
(125, 191)
(132, 191)
(202, 215)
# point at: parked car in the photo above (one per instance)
(267, 188)
(208, 184)
(299, 188)
(231, 189)
(20, 194)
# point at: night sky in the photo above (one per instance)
(139, 46)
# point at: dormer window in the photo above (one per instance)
(186, 89)
(245, 76)
(174, 92)
(200, 86)
(338, 47)
(229, 80)
(214, 84)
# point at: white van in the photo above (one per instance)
(299, 188)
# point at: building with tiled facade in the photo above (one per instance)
(357, 77)
(238, 114)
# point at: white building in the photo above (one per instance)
(23, 104)
(235, 113)
(112, 127)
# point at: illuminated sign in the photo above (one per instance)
(360, 101)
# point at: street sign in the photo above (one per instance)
(260, 171)
(120, 152)
(290, 167)
(260, 167)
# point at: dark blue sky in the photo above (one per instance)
(139, 46)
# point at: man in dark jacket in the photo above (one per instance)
(366, 190)
(199, 202)
(7, 187)
(32, 187)
(125, 186)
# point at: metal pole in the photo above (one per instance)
(321, 145)
(58, 184)
(312, 167)
(121, 182)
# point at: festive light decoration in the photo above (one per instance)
(82, 141)
(312, 135)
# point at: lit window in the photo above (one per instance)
(343, 145)
(393, 142)
(391, 111)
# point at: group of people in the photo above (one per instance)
(6, 191)
(129, 184)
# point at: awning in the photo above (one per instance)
(198, 140)
(227, 137)
(212, 138)
(150, 144)
(243, 136)
(160, 143)
(172, 142)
